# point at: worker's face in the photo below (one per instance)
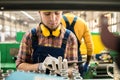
(51, 19)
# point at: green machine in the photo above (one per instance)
(19, 36)
(8, 53)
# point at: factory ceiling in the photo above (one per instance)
(32, 18)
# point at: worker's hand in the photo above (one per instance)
(85, 67)
(48, 61)
(70, 73)
(42, 67)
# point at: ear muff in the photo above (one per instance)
(56, 33)
(46, 32)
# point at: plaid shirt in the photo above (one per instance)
(26, 50)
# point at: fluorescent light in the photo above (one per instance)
(12, 17)
(8, 15)
(0, 12)
(29, 16)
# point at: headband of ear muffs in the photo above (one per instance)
(46, 32)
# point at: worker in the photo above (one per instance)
(81, 30)
(49, 38)
(109, 39)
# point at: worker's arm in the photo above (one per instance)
(88, 58)
(88, 42)
(89, 46)
(23, 61)
(108, 38)
(28, 67)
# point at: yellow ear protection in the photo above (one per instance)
(46, 32)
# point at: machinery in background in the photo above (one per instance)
(8, 53)
(99, 64)
(19, 36)
(101, 58)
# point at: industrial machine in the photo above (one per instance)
(8, 53)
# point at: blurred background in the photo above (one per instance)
(14, 24)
